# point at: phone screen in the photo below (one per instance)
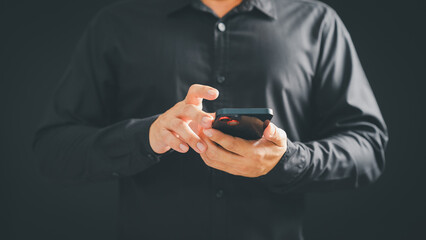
(244, 123)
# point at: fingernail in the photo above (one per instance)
(183, 147)
(208, 132)
(212, 92)
(201, 147)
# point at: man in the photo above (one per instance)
(130, 106)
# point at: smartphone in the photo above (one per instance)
(247, 123)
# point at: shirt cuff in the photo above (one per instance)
(139, 132)
(289, 167)
(147, 146)
(141, 154)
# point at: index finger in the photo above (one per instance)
(198, 92)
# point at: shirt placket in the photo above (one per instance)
(220, 80)
(218, 194)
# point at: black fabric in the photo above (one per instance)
(136, 59)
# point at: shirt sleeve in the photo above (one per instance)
(79, 139)
(347, 149)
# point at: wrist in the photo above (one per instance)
(152, 138)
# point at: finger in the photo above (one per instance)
(219, 165)
(185, 132)
(191, 113)
(231, 162)
(233, 144)
(275, 134)
(219, 154)
(197, 93)
(173, 141)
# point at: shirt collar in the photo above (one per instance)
(265, 6)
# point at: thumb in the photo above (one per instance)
(275, 135)
(212, 114)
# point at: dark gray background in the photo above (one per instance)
(37, 39)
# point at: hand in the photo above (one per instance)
(180, 126)
(249, 158)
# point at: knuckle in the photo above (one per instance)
(161, 118)
(193, 88)
(208, 162)
(263, 152)
(195, 85)
(188, 108)
(204, 114)
(171, 111)
(165, 120)
(257, 155)
(192, 142)
(177, 124)
(179, 105)
(210, 154)
(212, 165)
(185, 108)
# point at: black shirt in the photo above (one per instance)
(137, 59)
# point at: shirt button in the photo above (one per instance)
(221, 26)
(221, 79)
(150, 156)
(115, 174)
(219, 193)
